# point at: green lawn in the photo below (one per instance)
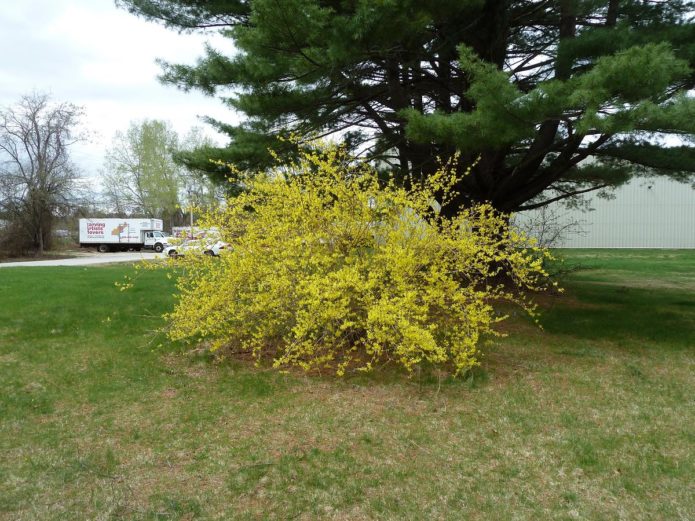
(592, 418)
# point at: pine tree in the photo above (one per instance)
(546, 99)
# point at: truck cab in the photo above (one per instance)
(155, 240)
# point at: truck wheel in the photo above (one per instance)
(159, 248)
(103, 248)
(209, 253)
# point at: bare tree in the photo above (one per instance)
(37, 178)
(551, 226)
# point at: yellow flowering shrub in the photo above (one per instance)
(331, 267)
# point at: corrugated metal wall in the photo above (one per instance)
(646, 213)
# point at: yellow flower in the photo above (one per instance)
(328, 266)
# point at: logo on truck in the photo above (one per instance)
(118, 230)
(95, 229)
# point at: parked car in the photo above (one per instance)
(196, 247)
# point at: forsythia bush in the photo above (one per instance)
(330, 268)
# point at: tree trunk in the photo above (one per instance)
(39, 250)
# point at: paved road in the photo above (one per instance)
(88, 259)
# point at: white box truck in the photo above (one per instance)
(123, 234)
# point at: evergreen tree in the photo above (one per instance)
(546, 99)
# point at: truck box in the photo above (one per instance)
(122, 234)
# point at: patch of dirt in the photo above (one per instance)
(566, 300)
(196, 372)
(169, 393)
(9, 358)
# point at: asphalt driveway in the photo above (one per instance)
(87, 259)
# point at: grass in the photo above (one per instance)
(592, 418)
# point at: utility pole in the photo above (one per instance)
(190, 209)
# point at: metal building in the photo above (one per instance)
(645, 213)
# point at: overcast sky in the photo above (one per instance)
(92, 54)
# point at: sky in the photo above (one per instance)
(92, 54)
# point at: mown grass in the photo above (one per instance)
(591, 418)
